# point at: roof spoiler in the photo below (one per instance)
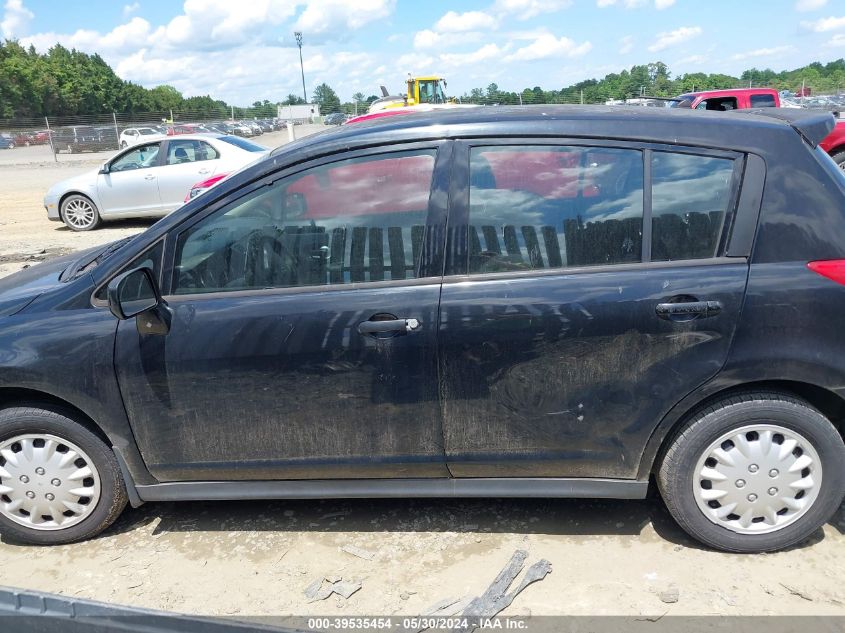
(812, 126)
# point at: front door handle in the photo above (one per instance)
(688, 310)
(149, 177)
(389, 326)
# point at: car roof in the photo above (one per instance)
(680, 126)
(731, 91)
(199, 136)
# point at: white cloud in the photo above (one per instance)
(453, 22)
(16, 19)
(332, 16)
(809, 5)
(825, 24)
(129, 9)
(692, 60)
(526, 9)
(547, 45)
(635, 4)
(764, 52)
(680, 35)
(413, 63)
(427, 39)
(837, 41)
(626, 44)
(488, 51)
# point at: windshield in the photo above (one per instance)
(147, 131)
(243, 144)
(681, 101)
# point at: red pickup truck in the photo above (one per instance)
(741, 98)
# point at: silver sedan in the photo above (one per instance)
(146, 180)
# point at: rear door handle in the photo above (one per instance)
(396, 326)
(688, 310)
(204, 171)
(149, 177)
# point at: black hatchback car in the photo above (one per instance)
(550, 301)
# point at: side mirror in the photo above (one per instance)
(104, 168)
(132, 293)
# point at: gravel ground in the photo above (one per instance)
(251, 558)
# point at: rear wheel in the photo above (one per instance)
(79, 213)
(755, 472)
(59, 482)
(839, 159)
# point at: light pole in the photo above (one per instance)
(298, 36)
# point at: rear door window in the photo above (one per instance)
(536, 207)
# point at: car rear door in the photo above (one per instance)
(186, 162)
(588, 289)
(302, 343)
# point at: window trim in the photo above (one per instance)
(456, 264)
(431, 254)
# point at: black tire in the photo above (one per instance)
(839, 159)
(676, 475)
(68, 201)
(25, 419)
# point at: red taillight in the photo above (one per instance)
(831, 268)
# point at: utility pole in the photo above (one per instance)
(298, 36)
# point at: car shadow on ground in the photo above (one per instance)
(556, 517)
(140, 224)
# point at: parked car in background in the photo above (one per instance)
(149, 179)
(41, 138)
(335, 118)
(747, 98)
(134, 135)
(204, 185)
(241, 129)
(733, 99)
(24, 139)
(520, 300)
(834, 144)
(182, 128)
(82, 138)
(6, 142)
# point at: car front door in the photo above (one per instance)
(302, 343)
(130, 185)
(585, 296)
(187, 161)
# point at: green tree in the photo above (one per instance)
(327, 99)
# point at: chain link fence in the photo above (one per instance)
(54, 136)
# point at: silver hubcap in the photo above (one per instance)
(46, 483)
(79, 213)
(757, 479)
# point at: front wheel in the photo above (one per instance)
(59, 483)
(755, 472)
(839, 159)
(79, 213)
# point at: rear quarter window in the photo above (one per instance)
(691, 197)
(763, 101)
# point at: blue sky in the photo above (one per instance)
(243, 51)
